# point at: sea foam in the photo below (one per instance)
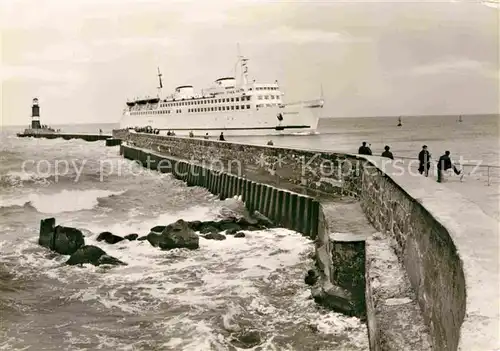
(199, 298)
(64, 201)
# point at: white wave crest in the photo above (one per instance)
(16, 178)
(64, 201)
(223, 288)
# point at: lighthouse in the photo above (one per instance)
(35, 115)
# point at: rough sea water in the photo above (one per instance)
(475, 139)
(236, 294)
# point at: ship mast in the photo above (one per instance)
(160, 86)
(244, 69)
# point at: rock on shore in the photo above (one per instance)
(229, 225)
(131, 237)
(181, 234)
(70, 241)
(110, 238)
(177, 235)
(93, 255)
(63, 240)
(215, 236)
(333, 297)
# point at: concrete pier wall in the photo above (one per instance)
(86, 137)
(417, 293)
(281, 206)
(113, 142)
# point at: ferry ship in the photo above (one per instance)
(234, 108)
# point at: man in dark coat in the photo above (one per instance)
(364, 150)
(444, 164)
(424, 157)
(387, 153)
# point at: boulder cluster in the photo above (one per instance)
(71, 241)
(178, 235)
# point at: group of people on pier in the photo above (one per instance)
(147, 129)
(150, 130)
(424, 157)
(444, 163)
(206, 136)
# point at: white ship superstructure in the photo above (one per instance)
(231, 107)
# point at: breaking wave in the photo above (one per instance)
(232, 295)
(212, 298)
(64, 201)
(16, 178)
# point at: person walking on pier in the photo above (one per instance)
(444, 164)
(206, 136)
(424, 158)
(221, 137)
(364, 150)
(387, 153)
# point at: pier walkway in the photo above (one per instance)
(479, 183)
(475, 235)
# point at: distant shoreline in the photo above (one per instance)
(419, 116)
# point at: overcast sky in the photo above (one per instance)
(84, 58)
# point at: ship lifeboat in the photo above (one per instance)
(141, 102)
(153, 101)
(130, 103)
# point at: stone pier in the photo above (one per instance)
(423, 266)
(65, 136)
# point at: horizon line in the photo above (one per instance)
(335, 117)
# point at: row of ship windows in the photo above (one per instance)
(201, 109)
(209, 101)
(268, 97)
(266, 88)
(212, 101)
(164, 112)
(267, 105)
(219, 108)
